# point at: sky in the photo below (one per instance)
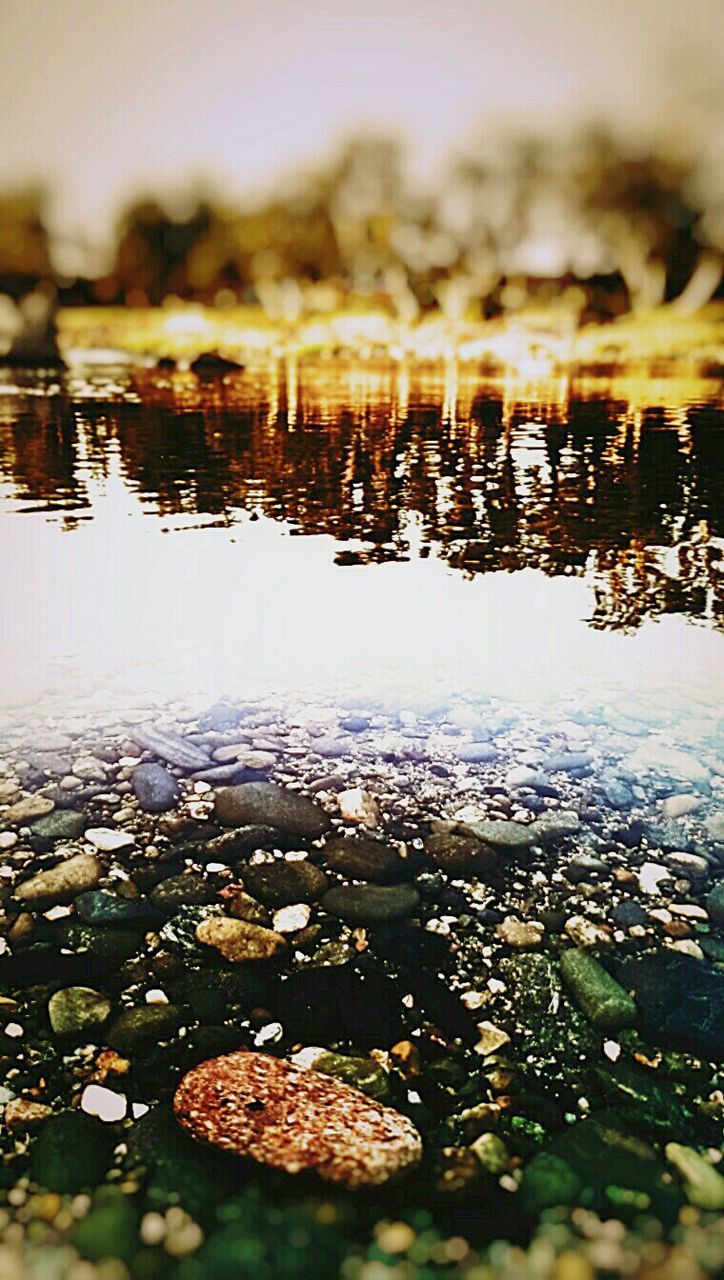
(104, 99)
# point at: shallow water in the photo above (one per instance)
(519, 587)
(382, 535)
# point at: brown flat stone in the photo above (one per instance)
(238, 940)
(293, 1118)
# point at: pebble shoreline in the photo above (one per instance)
(508, 934)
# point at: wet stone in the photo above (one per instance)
(238, 940)
(137, 1030)
(460, 855)
(269, 805)
(295, 1119)
(26, 809)
(603, 1000)
(170, 747)
(71, 1152)
(78, 1012)
(371, 903)
(181, 891)
(154, 788)
(680, 1001)
(282, 883)
(232, 846)
(714, 903)
(101, 907)
(61, 883)
(64, 824)
(361, 859)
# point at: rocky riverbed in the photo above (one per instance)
(341, 991)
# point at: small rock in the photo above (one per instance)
(78, 1011)
(293, 918)
(371, 903)
(679, 805)
(524, 935)
(703, 1184)
(170, 747)
(108, 840)
(491, 1039)
(187, 889)
(361, 859)
(63, 882)
(267, 804)
(714, 903)
(292, 1118)
(154, 788)
(137, 1030)
(64, 824)
(358, 805)
(586, 933)
(238, 940)
(24, 1113)
(281, 883)
(602, 999)
(461, 856)
(362, 1073)
(27, 808)
(714, 827)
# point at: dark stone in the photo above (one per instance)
(620, 1175)
(680, 1002)
(628, 913)
(361, 859)
(154, 788)
(281, 883)
(139, 1029)
(324, 1005)
(100, 907)
(460, 856)
(270, 805)
(371, 903)
(185, 890)
(71, 1152)
(63, 824)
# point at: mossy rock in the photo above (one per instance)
(110, 1229)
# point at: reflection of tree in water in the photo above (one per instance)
(631, 498)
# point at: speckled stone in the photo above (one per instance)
(238, 940)
(371, 903)
(265, 803)
(296, 1119)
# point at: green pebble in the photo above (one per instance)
(142, 1028)
(72, 1151)
(703, 1184)
(110, 1230)
(548, 1181)
(602, 999)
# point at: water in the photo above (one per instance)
(367, 534)
(481, 618)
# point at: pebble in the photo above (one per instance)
(78, 1011)
(239, 940)
(476, 752)
(586, 933)
(24, 1113)
(155, 789)
(358, 805)
(63, 882)
(187, 889)
(361, 859)
(293, 918)
(170, 747)
(460, 855)
(714, 827)
(603, 1000)
(679, 805)
(703, 1184)
(270, 805)
(139, 1029)
(109, 841)
(296, 1119)
(371, 903)
(64, 824)
(524, 935)
(714, 903)
(27, 808)
(282, 882)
